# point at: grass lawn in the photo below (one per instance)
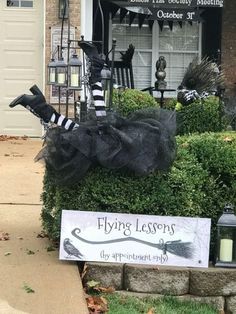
(120, 304)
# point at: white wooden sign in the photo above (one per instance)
(139, 239)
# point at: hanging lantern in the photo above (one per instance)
(74, 73)
(63, 9)
(52, 72)
(226, 238)
(61, 73)
(106, 78)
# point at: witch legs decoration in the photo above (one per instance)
(37, 104)
(140, 144)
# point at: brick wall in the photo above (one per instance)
(206, 285)
(228, 45)
(53, 20)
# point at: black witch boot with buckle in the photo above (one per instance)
(35, 90)
(35, 103)
(96, 61)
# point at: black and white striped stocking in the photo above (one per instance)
(56, 118)
(98, 97)
(68, 124)
(99, 104)
(61, 120)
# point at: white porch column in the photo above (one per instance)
(87, 19)
(86, 31)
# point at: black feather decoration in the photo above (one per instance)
(203, 77)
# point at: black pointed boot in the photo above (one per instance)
(35, 90)
(36, 104)
(96, 61)
(89, 49)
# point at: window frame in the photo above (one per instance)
(20, 5)
(156, 52)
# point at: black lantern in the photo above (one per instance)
(63, 9)
(61, 73)
(226, 238)
(106, 78)
(74, 73)
(52, 72)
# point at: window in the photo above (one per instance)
(20, 3)
(179, 46)
(141, 38)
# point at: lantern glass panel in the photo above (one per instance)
(61, 73)
(74, 72)
(106, 91)
(52, 72)
(106, 78)
(75, 76)
(63, 9)
(51, 75)
(226, 244)
(61, 76)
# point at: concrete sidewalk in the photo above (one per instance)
(26, 262)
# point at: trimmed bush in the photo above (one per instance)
(130, 100)
(200, 116)
(216, 154)
(201, 181)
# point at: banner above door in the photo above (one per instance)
(171, 3)
(163, 10)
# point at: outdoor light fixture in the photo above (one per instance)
(63, 9)
(226, 238)
(61, 72)
(52, 72)
(106, 77)
(74, 73)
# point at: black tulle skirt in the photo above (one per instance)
(141, 144)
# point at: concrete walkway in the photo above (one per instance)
(33, 280)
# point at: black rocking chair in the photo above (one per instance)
(123, 70)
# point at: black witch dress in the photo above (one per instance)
(140, 144)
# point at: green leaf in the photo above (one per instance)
(92, 284)
(28, 289)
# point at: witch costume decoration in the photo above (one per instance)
(200, 81)
(140, 144)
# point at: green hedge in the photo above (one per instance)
(200, 116)
(201, 181)
(130, 100)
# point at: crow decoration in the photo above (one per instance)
(161, 64)
(128, 54)
(70, 249)
(160, 73)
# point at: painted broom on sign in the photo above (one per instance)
(175, 247)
